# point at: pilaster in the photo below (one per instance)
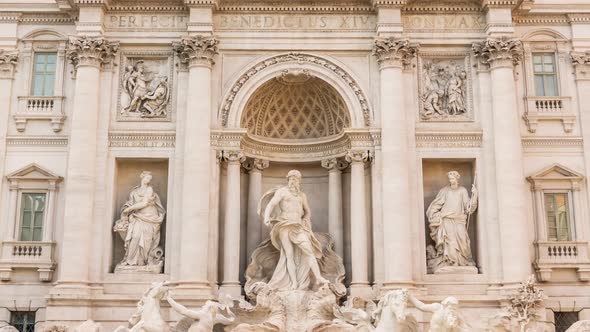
(201, 16)
(389, 17)
(335, 226)
(499, 17)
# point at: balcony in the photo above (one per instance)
(549, 109)
(553, 255)
(40, 108)
(27, 255)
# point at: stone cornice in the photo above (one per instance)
(498, 3)
(92, 3)
(197, 50)
(10, 17)
(202, 3)
(277, 7)
(47, 18)
(91, 51)
(540, 19)
(389, 3)
(438, 7)
(394, 53)
(499, 52)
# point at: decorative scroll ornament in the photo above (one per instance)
(580, 58)
(198, 50)
(91, 51)
(498, 50)
(8, 61)
(299, 59)
(391, 52)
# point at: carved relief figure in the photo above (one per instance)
(204, 319)
(146, 92)
(289, 217)
(141, 218)
(445, 315)
(448, 216)
(444, 91)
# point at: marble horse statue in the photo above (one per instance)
(147, 318)
(392, 314)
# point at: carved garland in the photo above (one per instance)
(300, 59)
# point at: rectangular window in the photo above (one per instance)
(564, 320)
(43, 74)
(545, 74)
(24, 321)
(558, 216)
(31, 216)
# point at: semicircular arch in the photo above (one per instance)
(236, 97)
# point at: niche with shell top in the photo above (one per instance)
(127, 179)
(434, 178)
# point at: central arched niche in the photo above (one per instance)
(295, 120)
(295, 106)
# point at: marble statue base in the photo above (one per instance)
(456, 270)
(139, 269)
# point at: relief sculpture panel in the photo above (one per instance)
(445, 89)
(145, 87)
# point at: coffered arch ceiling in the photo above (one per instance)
(294, 107)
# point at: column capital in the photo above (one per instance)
(196, 50)
(501, 52)
(8, 61)
(255, 164)
(358, 156)
(334, 164)
(581, 62)
(233, 156)
(391, 52)
(91, 51)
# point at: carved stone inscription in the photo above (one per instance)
(145, 88)
(444, 22)
(145, 21)
(444, 90)
(296, 22)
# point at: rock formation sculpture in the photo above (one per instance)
(448, 215)
(141, 218)
(522, 310)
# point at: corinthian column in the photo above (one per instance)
(196, 52)
(502, 55)
(392, 55)
(231, 228)
(581, 62)
(335, 226)
(254, 225)
(359, 229)
(87, 54)
(8, 61)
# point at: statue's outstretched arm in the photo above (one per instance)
(182, 309)
(423, 306)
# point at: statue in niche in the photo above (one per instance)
(445, 315)
(141, 218)
(148, 94)
(294, 279)
(444, 91)
(448, 218)
(289, 217)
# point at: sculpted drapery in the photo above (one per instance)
(447, 217)
(141, 218)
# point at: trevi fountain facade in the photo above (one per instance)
(302, 165)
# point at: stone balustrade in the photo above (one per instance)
(562, 255)
(27, 255)
(40, 108)
(544, 108)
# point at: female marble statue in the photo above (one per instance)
(141, 218)
(447, 218)
(456, 93)
(289, 216)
